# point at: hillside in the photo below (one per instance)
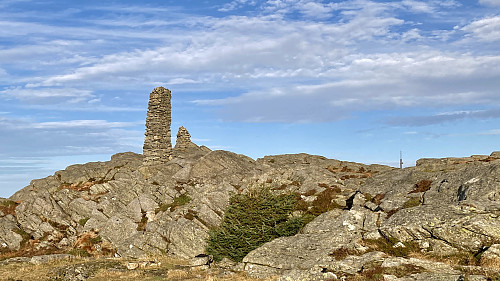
(375, 218)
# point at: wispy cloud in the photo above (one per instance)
(102, 124)
(490, 2)
(444, 117)
(493, 132)
(41, 95)
(487, 29)
(75, 137)
(375, 82)
(236, 4)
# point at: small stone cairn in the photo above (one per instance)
(183, 140)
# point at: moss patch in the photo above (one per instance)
(412, 202)
(178, 201)
(82, 222)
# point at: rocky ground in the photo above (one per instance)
(436, 221)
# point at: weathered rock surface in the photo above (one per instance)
(9, 236)
(447, 208)
(451, 210)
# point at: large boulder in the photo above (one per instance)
(10, 234)
(313, 246)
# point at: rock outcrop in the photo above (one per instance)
(449, 213)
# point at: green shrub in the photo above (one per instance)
(252, 220)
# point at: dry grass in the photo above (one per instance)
(27, 271)
(341, 253)
(377, 273)
(81, 186)
(387, 246)
(170, 269)
(490, 262)
(378, 198)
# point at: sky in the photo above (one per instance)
(353, 80)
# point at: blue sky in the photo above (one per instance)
(354, 80)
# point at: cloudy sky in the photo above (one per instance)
(354, 80)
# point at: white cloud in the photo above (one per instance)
(236, 4)
(490, 2)
(375, 82)
(76, 137)
(176, 81)
(429, 7)
(366, 59)
(442, 117)
(493, 132)
(101, 124)
(48, 95)
(316, 10)
(418, 6)
(412, 34)
(236, 48)
(487, 29)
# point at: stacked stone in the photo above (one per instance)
(157, 145)
(183, 139)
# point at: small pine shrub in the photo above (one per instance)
(252, 220)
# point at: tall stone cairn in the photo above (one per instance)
(157, 147)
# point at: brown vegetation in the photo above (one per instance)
(8, 207)
(324, 201)
(422, 186)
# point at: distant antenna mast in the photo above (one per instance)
(401, 159)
